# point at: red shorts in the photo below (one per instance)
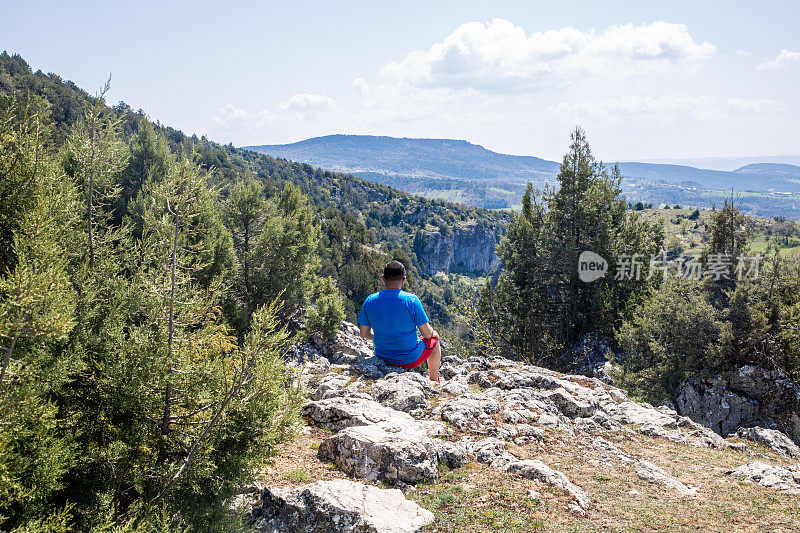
(430, 344)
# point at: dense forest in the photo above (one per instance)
(150, 280)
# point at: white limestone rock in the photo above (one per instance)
(338, 505)
(491, 451)
(782, 478)
(407, 391)
(470, 410)
(654, 474)
(453, 454)
(330, 386)
(341, 412)
(535, 469)
(392, 451)
(772, 438)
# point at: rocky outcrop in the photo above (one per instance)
(771, 438)
(748, 396)
(392, 424)
(469, 248)
(395, 426)
(782, 478)
(337, 505)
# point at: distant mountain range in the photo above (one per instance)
(429, 158)
(462, 171)
(728, 163)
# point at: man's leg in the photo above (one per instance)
(433, 362)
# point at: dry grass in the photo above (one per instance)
(623, 502)
(296, 462)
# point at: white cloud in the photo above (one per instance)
(669, 107)
(361, 85)
(751, 106)
(499, 56)
(302, 110)
(629, 104)
(229, 114)
(784, 59)
(230, 117)
(305, 101)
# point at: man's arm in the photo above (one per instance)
(427, 331)
(365, 332)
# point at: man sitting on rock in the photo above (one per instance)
(393, 317)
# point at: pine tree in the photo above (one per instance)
(21, 155)
(283, 252)
(36, 313)
(196, 392)
(94, 158)
(729, 231)
(539, 307)
(150, 158)
(244, 210)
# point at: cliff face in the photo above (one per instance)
(744, 397)
(468, 249)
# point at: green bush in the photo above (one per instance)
(670, 336)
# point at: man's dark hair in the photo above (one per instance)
(394, 271)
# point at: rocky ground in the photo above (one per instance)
(501, 446)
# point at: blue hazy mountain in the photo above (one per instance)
(729, 162)
(455, 159)
(461, 171)
(429, 158)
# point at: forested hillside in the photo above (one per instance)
(148, 282)
(360, 223)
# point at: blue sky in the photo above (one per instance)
(645, 79)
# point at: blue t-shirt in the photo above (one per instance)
(394, 315)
